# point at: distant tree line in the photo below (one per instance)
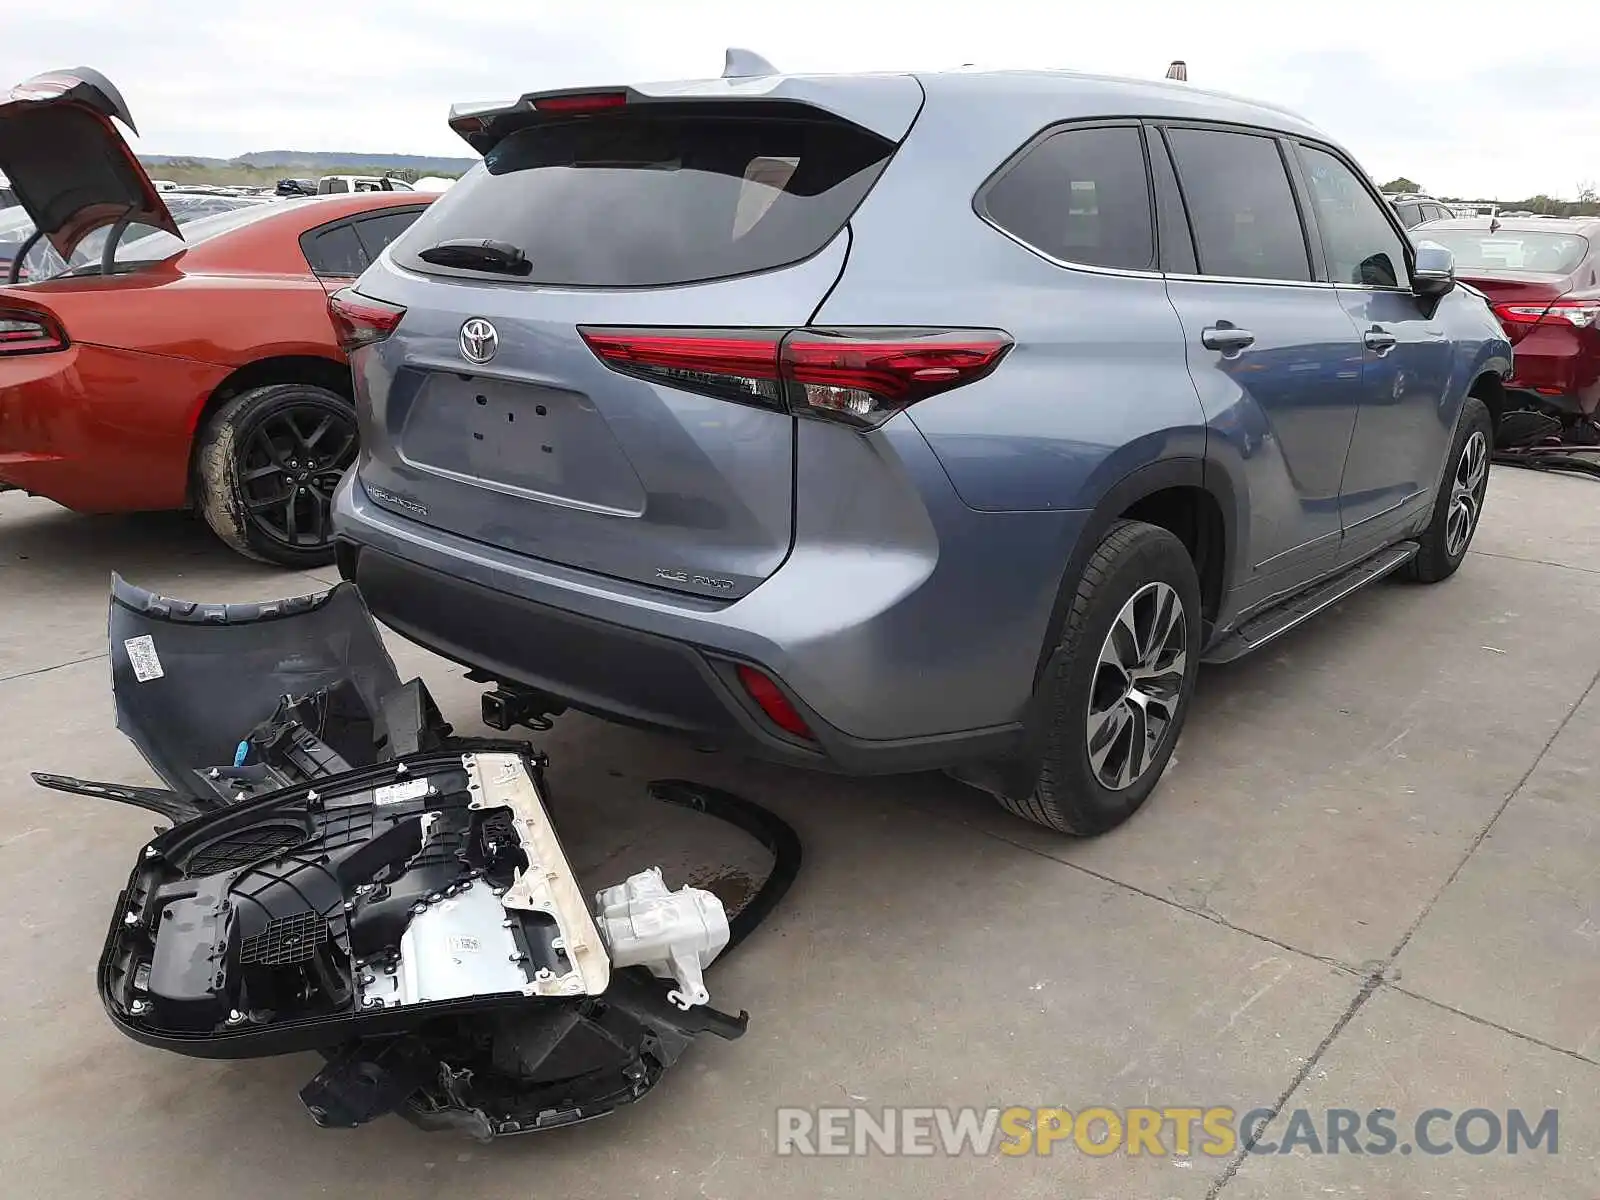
(1586, 205)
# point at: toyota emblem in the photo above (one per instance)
(479, 340)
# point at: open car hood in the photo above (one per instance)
(71, 170)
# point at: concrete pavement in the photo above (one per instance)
(1369, 881)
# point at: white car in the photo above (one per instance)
(332, 184)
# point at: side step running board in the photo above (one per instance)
(1265, 626)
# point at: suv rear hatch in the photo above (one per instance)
(703, 211)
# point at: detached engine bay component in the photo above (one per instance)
(253, 930)
(356, 880)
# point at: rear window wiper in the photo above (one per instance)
(478, 254)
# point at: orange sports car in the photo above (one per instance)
(149, 361)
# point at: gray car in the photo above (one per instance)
(881, 423)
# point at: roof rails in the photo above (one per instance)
(746, 64)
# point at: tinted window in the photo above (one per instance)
(1410, 215)
(1511, 249)
(1359, 243)
(377, 232)
(330, 186)
(649, 199)
(1241, 207)
(1081, 196)
(334, 251)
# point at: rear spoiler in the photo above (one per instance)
(884, 104)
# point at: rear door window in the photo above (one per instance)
(646, 199)
(1241, 205)
(1080, 196)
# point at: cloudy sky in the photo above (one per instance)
(1463, 96)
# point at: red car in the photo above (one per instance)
(1542, 277)
(155, 366)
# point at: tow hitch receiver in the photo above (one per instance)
(346, 875)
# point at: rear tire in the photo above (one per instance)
(266, 467)
(1115, 693)
(1459, 504)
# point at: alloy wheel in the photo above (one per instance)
(1138, 682)
(289, 464)
(1466, 494)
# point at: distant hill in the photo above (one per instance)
(317, 162)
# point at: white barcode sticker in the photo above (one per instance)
(399, 793)
(142, 656)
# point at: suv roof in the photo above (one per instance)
(1159, 97)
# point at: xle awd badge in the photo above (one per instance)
(479, 340)
(709, 581)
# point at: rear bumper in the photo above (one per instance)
(622, 674)
(1559, 367)
(100, 430)
(904, 627)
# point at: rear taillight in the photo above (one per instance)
(360, 320)
(770, 699)
(859, 376)
(23, 331)
(733, 364)
(1518, 318)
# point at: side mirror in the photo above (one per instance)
(1434, 274)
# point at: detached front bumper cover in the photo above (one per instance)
(345, 875)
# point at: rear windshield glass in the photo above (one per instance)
(1511, 249)
(199, 217)
(645, 200)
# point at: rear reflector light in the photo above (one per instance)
(771, 700)
(859, 376)
(581, 103)
(26, 332)
(360, 320)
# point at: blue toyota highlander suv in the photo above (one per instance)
(890, 422)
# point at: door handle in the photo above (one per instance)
(1226, 338)
(1379, 339)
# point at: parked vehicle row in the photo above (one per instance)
(668, 412)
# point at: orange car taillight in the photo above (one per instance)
(23, 331)
(360, 320)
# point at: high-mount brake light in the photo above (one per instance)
(360, 320)
(858, 376)
(25, 331)
(580, 102)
